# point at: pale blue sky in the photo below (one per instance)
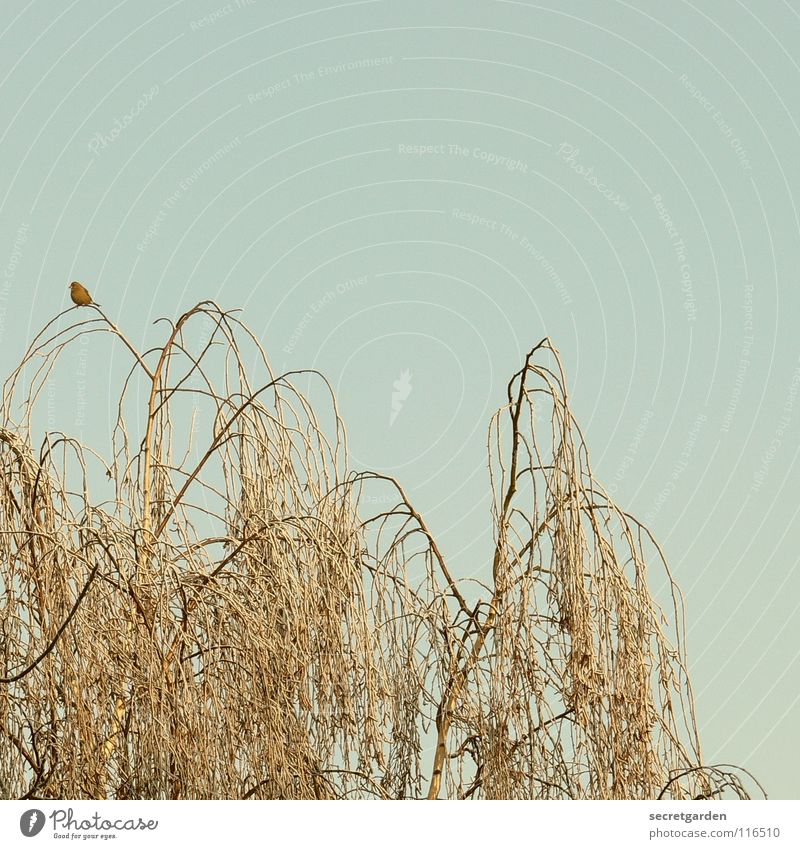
(433, 187)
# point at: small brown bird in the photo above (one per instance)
(80, 296)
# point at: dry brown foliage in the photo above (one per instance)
(234, 622)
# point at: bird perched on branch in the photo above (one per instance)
(80, 296)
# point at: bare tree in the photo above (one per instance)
(232, 620)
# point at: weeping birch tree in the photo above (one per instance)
(214, 607)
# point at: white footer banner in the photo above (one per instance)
(409, 824)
